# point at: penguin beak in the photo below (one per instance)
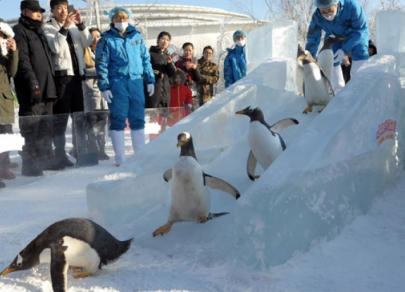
(180, 143)
(242, 112)
(7, 271)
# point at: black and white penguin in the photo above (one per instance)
(76, 242)
(190, 196)
(317, 87)
(265, 141)
(299, 73)
(325, 57)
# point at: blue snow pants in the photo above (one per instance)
(128, 102)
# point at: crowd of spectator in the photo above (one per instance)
(63, 69)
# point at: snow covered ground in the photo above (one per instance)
(368, 255)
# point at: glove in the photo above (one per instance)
(107, 96)
(339, 56)
(36, 95)
(151, 89)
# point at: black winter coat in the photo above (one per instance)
(35, 66)
(161, 97)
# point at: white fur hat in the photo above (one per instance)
(6, 29)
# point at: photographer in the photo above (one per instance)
(67, 37)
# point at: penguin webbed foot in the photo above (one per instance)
(163, 229)
(307, 109)
(75, 269)
(81, 275)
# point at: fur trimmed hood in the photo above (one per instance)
(7, 30)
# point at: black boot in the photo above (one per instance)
(29, 162)
(61, 158)
(101, 147)
(46, 157)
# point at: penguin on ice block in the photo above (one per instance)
(325, 57)
(265, 141)
(76, 242)
(190, 196)
(317, 86)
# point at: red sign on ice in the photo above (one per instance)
(386, 130)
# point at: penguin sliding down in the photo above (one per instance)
(317, 86)
(265, 141)
(325, 57)
(190, 197)
(77, 242)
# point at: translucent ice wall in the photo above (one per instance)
(336, 162)
(348, 155)
(390, 35)
(274, 40)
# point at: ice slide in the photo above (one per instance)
(335, 163)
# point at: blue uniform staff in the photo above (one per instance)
(342, 18)
(123, 64)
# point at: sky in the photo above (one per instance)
(11, 8)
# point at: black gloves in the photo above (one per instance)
(36, 95)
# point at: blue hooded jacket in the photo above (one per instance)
(122, 57)
(350, 23)
(234, 65)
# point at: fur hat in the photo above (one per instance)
(6, 29)
(325, 3)
(117, 9)
(239, 32)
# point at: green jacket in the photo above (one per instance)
(8, 69)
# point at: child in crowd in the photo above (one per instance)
(181, 99)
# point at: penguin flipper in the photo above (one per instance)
(167, 175)
(327, 81)
(59, 266)
(219, 184)
(283, 124)
(251, 166)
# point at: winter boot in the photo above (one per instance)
(138, 139)
(29, 165)
(46, 157)
(100, 138)
(117, 138)
(2, 184)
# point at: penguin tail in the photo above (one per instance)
(125, 245)
(216, 215)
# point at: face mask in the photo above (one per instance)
(121, 26)
(330, 17)
(241, 43)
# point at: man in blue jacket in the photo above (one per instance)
(235, 61)
(122, 64)
(342, 18)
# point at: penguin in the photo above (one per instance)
(77, 242)
(299, 73)
(325, 57)
(190, 196)
(265, 141)
(316, 85)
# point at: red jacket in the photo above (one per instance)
(180, 95)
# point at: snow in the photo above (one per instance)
(362, 250)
